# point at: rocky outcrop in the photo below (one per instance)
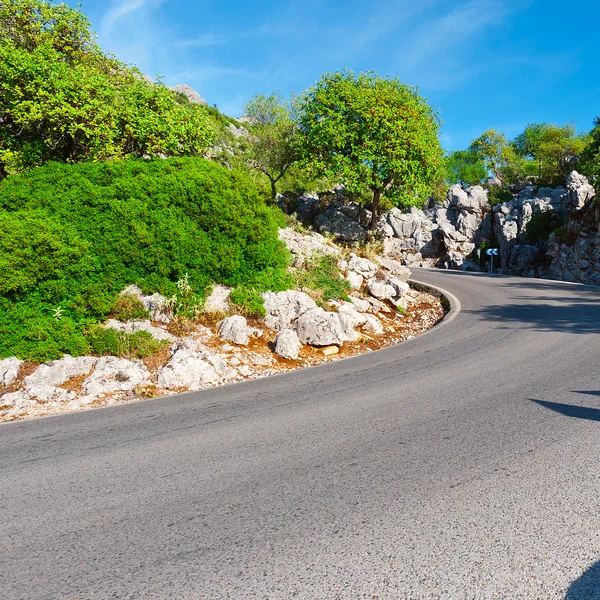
(191, 94)
(135, 326)
(158, 306)
(188, 370)
(113, 374)
(283, 308)
(306, 246)
(345, 222)
(580, 190)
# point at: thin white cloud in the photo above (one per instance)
(120, 10)
(206, 39)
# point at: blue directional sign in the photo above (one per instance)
(492, 251)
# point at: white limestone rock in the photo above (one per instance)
(9, 370)
(188, 370)
(44, 382)
(320, 328)
(135, 326)
(235, 329)
(114, 374)
(283, 308)
(287, 344)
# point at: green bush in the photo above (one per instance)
(542, 224)
(124, 345)
(75, 235)
(498, 195)
(248, 301)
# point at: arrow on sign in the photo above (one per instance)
(492, 251)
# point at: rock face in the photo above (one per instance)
(306, 246)
(580, 190)
(283, 308)
(287, 344)
(218, 301)
(320, 328)
(407, 234)
(235, 329)
(191, 94)
(9, 371)
(345, 222)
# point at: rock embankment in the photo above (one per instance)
(297, 331)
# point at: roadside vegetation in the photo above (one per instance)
(108, 179)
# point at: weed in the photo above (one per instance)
(129, 308)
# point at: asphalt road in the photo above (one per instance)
(462, 464)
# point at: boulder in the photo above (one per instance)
(395, 268)
(355, 280)
(287, 344)
(282, 308)
(114, 374)
(235, 329)
(386, 289)
(44, 383)
(580, 190)
(473, 199)
(362, 266)
(188, 370)
(16, 402)
(372, 324)
(9, 370)
(319, 328)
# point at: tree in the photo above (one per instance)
(371, 134)
(62, 99)
(591, 154)
(465, 167)
(273, 146)
(553, 147)
(494, 151)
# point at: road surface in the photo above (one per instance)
(462, 464)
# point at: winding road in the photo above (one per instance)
(463, 464)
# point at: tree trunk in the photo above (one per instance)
(375, 216)
(273, 190)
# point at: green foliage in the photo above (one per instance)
(493, 149)
(542, 224)
(248, 301)
(465, 167)
(321, 275)
(590, 160)
(552, 148)
(273, 145)
(141, 344)
(371, 134)
(62, 99)
(129, 308)
(73, 236)
(498, 195)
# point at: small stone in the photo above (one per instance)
(329, 350)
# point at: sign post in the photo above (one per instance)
(491, 252)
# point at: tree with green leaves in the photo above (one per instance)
(552, 147)
(62, 99)
(494, 150)
(590, 159)
(465, 167)
(273, 145)
(371, 134)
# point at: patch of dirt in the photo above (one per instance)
(158, 360)
(75, 383)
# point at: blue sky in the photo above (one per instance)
(480, 63)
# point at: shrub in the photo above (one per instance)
(75, 235)
(542, 224)
(140, 344)
(129, 308)
(498, 195)
(248, 301)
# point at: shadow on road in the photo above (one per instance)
(570, 410)
(587, 587)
